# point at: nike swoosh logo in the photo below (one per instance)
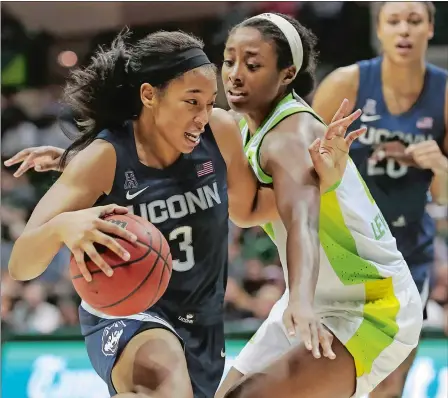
(130, 196)
(367, 118)
(223, 354)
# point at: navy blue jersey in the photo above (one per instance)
(401, 192)
(188, 203)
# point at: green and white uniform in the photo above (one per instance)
(365, 293)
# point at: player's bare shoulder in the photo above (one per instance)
(299, 129)
(338, 85)
(223, 125)
(347, 76)
(94, 166)
(344, 80)
(221, 118)
(99, 153)
(226, 132)
(235, 115)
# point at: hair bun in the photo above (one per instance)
(303, 84)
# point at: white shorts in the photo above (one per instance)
(348, 323)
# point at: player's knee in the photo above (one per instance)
(160, 364)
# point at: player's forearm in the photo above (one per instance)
(302, 247)
(439, 185)
(263, 209)
(34, 250)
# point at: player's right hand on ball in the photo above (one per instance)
(41, 158)
(79, 230)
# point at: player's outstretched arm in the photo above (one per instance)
(284, 155)
(249, 204)
(58, 218)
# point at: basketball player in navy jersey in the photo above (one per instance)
(404, 152)
(152, 143)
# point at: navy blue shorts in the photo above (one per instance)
(203, 345)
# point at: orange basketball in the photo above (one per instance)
(137, 283)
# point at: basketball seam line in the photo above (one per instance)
(126, 263)
(144, 280)
(159, 254)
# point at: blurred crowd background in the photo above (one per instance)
(42, 41)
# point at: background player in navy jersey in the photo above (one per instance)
(152, 143)
(403, 154)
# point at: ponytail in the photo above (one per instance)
(100, 95)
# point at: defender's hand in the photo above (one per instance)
(42, 158)
(330, 154)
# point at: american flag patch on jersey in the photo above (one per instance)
(204, 168)
(425, 123)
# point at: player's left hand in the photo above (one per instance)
(330, 154)
(301, 318)
(395, 150)
(427, 155)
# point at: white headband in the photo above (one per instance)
(291, 34)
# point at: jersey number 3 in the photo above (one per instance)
(185, 237)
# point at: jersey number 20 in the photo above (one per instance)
(185, 245)
(392, 169)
